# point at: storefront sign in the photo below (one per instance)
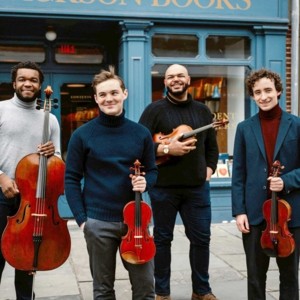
(233, 10)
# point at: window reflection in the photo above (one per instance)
(74, 54)
(77, 107)
(13, 53)
(175, 45)
(235, 47)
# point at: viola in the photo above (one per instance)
(36, 238)
(184, 132)
(137, 246)
(276, 240)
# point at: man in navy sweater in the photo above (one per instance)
(101, 152)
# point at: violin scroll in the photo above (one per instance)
(276, 168)
(137, 168)
(220, 124)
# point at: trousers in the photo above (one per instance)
(103, 240)
(258, 263)
(194, 206)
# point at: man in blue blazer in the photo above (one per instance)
(272, 134)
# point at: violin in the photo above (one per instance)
(36, 238)
(276, 240)
(184, 132)
(137, 246)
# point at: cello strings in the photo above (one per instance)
(42, 178)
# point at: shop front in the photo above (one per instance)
(219, 41)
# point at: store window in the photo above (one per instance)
(221, 88)
(230, 47)
(13, 53)
(175, 45)
(76, 54)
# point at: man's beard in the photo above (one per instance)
(178, 93)
(27, 99)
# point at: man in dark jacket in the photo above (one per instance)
(270, 135)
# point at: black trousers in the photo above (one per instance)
(23, 281)
(258, 264)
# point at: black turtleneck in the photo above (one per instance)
(165, 115)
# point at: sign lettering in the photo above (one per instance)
(272, 10)
(203, 4)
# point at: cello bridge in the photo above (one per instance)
(38, 215)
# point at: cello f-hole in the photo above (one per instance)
(20, 221)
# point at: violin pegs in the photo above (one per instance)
(55, 106)
(55, 100)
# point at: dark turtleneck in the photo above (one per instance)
(270, 125)
(180, 103)
(102, 151)
(167, 114)
(111, 121)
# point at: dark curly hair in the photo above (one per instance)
(263, 73)
(26, 65)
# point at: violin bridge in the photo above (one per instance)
(273, 231)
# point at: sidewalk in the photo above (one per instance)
(72, 281)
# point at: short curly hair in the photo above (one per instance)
(263, 73)
(26, 65)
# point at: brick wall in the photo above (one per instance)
(288, 70)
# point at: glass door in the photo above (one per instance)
(76, 107)
(76, 104)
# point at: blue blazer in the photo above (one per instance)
(250, 168)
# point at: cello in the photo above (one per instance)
(184, 132)
(276, 240)
(36, 238)
(137, 246)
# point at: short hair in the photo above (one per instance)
(263, 73)
(105, 75)
(26, 65)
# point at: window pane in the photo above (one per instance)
(12, 53)
(74, 54)
(175, 45)
(237, 47)
(221, 88)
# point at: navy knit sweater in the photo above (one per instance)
(189, 170)
(102, 152)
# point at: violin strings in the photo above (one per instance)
(138, 232)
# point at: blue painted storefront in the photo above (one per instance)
(265, 23)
